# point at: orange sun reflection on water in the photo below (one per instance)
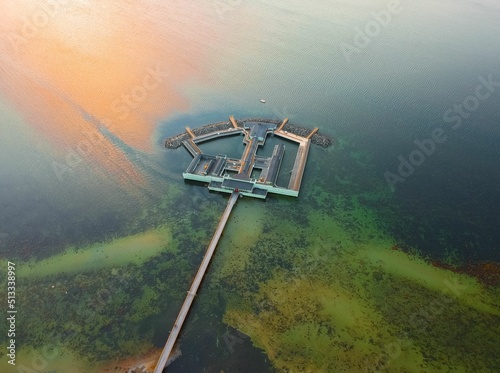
(70, 67)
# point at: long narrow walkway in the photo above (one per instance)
(194, 287)
(192, 147)
(301, 158)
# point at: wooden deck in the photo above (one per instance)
(300, 160)
(174, 333)
(233, 122)
(192, 147)
(188, 130)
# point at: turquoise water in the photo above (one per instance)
(375, 104)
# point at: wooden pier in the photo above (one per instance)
(172, 338)
(188, 130)
(233, 122)
(217, 171)
(301, 158)
(192, 147)
(312, 133)
(285, 121)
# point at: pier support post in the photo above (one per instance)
(285, 121)
(233, 121)
(188, 130)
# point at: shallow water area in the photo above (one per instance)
(351, 276)
(133, 249)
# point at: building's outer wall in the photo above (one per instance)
(269, 188)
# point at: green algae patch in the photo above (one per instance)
(121, 251)
(59, 359)
(465, 288)
(353, 325)
(310, 327)
(325, 292)
(49, 358)
(242, 231)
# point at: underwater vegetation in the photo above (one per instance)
(319, 299)
(324, 287)
(111, 300)
(319, 284)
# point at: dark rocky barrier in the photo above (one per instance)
(317, 139)
(260, 120)
(214, 127)
(321, 140)
(175, 141)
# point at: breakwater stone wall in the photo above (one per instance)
(214, 127)
(318, 139)
(260, 120)
(176, 141)
(321, 140)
